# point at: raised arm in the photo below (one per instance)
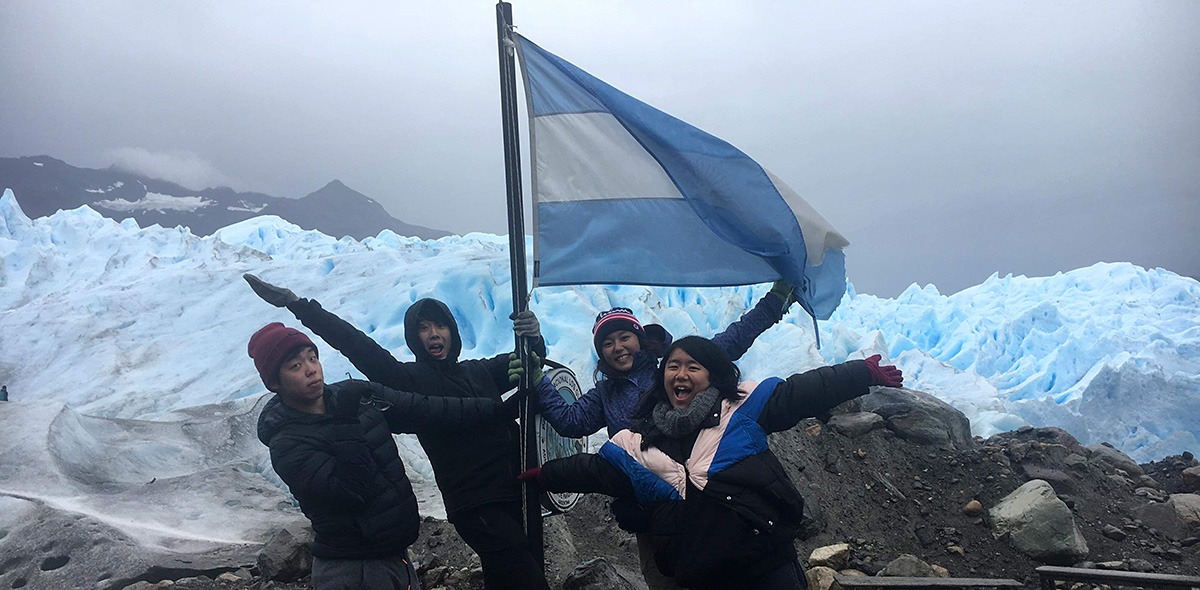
(815, 392)
(740, 335)
(413, 413)
(573, 420)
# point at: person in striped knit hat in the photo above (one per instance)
(627, 356)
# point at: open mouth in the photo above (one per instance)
(436, 349)
(681, 392)
(622, 358)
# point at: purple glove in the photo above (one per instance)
(887, 375)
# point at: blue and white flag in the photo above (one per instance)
(626, 194)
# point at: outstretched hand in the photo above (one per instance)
(785, 291)
(277, 296)
(887, 375)
(516, 369)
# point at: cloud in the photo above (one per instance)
(181, 167)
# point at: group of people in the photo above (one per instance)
(687, 461)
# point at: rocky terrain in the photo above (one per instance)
(894, 484)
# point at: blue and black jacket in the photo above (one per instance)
(722, 509)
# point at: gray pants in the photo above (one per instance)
(655, 579)
(394, 573)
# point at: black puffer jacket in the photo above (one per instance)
(740, 523)
(348, 478)
(470, 471)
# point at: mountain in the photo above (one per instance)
(45, 185)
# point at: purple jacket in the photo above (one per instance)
(614, 398)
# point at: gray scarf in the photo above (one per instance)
(679, 422)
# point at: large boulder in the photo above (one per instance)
(1178, 518)
(915, 416)
(287, 555)
(1039, 524)
(908, 566)
(599, 574)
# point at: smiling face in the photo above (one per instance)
(435, 337)
(618, 349)
(683, 378)
(302, 381)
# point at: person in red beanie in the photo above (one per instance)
(475, 474)
(332, 445)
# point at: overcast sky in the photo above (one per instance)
(945, 140)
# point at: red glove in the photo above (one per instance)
(531, 475)
(887, 375)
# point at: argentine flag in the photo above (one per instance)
(626, 194)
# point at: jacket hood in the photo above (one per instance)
(276, 414)
(430, 309)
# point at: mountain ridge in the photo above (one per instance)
(44, 184)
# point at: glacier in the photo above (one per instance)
(131, 342)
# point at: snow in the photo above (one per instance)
(156, 202)
(124, 352)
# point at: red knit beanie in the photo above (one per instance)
(269, 347)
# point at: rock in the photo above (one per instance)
(287, 555)
(228, 577)
(972, 508)
(1057, 478)
(830, 556)
(1105, 453)
(1178, 518)
(1191, 478)
(908, 566)
(599, 574)
(820, 577)
(1153, 494)
(856, 424)
(940, 571)
(1140, 565)
(955, 549)
(1113, 533)
(1188, 507)
(916, 416)
(1038, 524)
(851, 572)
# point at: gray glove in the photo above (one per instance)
(526, 324)
(277, 296)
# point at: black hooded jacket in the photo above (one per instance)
(348, 477)
(470, 471)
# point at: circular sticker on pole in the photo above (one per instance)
(551, 445)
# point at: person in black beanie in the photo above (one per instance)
(476, 474)
(332, 445)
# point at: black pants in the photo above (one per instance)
(789, 576)
(395, 573)
(496, 532)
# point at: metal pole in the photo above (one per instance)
(516, 260)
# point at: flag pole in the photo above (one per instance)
(516, 261)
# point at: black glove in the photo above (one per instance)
(785, 292)
(515, 370)
(277, 296)
(526, 324)
(350, 394)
